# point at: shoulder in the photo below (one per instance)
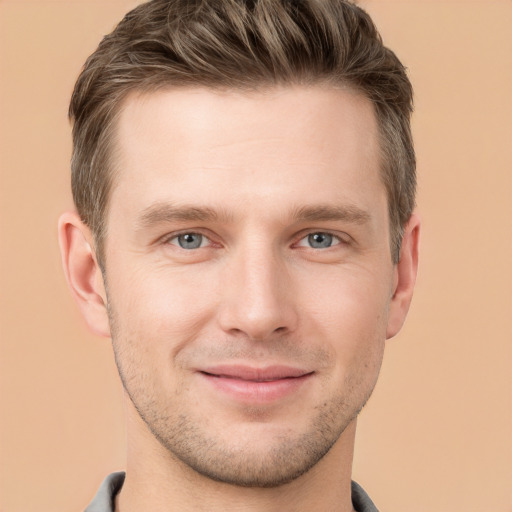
(361, 500)
(104, 499)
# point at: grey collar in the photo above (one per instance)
(105, 497)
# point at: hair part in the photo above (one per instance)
(246, 45)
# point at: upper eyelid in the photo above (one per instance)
(342, 237)
(171, 241)
(176, 234)
(337, 238)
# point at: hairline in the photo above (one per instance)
(110, 135)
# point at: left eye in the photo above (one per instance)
(319, 240)
(189, 240)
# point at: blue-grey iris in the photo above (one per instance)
(190, 240)
(320, 240)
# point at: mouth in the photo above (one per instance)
(251, 384)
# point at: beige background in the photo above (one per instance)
(436, 435)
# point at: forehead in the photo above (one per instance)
(230, 115)
(275, 142)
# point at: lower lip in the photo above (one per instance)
(259, 392)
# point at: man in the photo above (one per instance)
(244, 177)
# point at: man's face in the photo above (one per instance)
(249, 273)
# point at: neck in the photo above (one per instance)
(157, 481)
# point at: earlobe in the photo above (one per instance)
(83, 272)
(405, 277)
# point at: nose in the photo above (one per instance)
(257, 295)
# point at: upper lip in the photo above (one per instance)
(255, 374)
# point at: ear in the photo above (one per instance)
(405, 277)
(83, 272)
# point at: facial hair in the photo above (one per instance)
(187, 435)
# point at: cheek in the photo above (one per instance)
(163, 308)
(349, 310)
(348, 299)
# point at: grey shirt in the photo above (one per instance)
(104, 499)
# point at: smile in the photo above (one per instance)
(256, 385)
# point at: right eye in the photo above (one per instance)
(189, 241)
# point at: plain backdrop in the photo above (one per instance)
(436, 435)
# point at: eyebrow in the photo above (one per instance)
(161, 213)
(164, 213)
(346, 213)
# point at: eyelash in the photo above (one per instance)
(175, 236)
(332, 236)
(335, 238)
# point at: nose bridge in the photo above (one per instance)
(257, 298)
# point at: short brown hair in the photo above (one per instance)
(239, 44)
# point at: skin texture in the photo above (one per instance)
(251, 178)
